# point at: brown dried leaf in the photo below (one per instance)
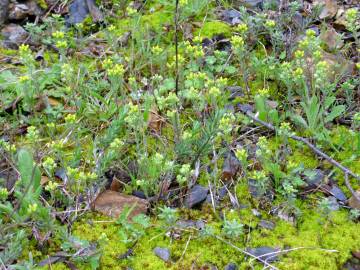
(112, 203)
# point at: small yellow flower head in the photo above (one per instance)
(32, 208)
(183, 3)
(317, 55)
(111, 28)
(351, 15)
(61, 44)
(237, 42)
(291, 165)
(79, 26)
(299, 54)
(116, 144)
(32, 133)
(58, 35)
(358, 66)
(298, 73)
(51, 125)
(156, 50)
(310, 33)
(24, 49)
(242, 28)
(130, 11)
(107, 63)
(214, 92)
(197, 39)
(4, 193)
(263, 92)
(241, 154)
(70, 118)
(270, 23)
(116, 70)
(51, 186)
(49, 164)
(24, 78)
(356, 117)
(91, 176)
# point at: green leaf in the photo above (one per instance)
(336, 112)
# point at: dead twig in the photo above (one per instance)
(316, 150)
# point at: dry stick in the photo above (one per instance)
(176, 47)
(316, 150)
(245, 252)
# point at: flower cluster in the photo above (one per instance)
(169, 101)
(132, 116)
(194, 51)
(51, 186)
(49, 164)
(321, 73)
(184, 174)
(352, 19)
(70, 118)
(237, 42)
(4, 193)
(8, 147)
(32, 134)
(270, 23)
(226, 123)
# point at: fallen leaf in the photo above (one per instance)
(112, 203)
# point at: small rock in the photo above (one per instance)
(264, 253)
(329, 8)
(20, 11)
(235, 91)
(230, 167)
(195, 196)
(255, 212)
(112, 203)
(231, 16)
(337, 193)
(14, 35)
(354, 202)
(314, 178)
(333, 204)
(266, 224)
(4, 8)
(231, 266)
(162, 253)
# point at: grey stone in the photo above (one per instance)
(266, 224)
(337, 193)
(4, 8)
(264, 253)
(14, 35)
(196, 196)
(162, 253)
(231, 266)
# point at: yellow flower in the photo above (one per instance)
(70, 118)
(270, 23)
(32, 208)
(51, 186)
(156, 49)
(237, 42)
(242, 28)
(116, 70)
(111, 28)
(61, 44)
(24, 48)
(299, 54)
(131, 11)
(23, 79)
(58, 35)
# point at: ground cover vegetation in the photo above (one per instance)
(184, 134)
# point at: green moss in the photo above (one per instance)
(42, 4)
(212, 28)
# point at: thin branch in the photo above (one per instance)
(176, 46)
(316, 150)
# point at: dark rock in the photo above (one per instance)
(14, 35)
(264, 253)
(4, 8)
(80, 9)
(140, 194)
(186, 224)
(266, 224)
(195, 196)
(20, 11)
(313, 178)
(230, 167)
(235, 91)
(337, 193)
(231, 16)
(231, 266)
(333, 204)
(162, 253)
